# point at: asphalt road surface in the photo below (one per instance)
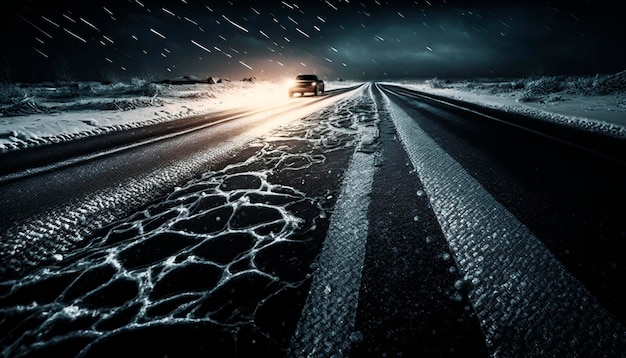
(374, 221)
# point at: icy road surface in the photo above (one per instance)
(46, 219)
(342, 230)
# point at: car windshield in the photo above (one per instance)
(306, 77)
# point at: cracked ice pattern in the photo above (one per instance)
(222, 263)
(211, 252)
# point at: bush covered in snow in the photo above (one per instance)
(538, 90)
(25, 99)
(546, 89)
(11, 94)
(610, 84)
(438, 83)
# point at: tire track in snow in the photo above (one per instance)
(528, 304)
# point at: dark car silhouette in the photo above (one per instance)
(306, 84)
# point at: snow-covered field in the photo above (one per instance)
(36, 114)
(596, 103)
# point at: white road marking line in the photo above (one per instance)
(329, 312)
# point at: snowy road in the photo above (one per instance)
(112, 178)
(525, 299)
(374, 222)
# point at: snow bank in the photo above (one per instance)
(594, 103)
(37, 114)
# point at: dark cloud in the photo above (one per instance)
(267, 39)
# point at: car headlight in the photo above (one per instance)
(313, 83)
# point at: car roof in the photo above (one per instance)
(306, 77)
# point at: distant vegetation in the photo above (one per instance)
(545, 88)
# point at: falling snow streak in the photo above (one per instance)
(89, 24)
(157, 33)
(41, 53)
(245, 65)
(68, 18)
(75, 35)
(168, 12)
(202, 47)
(292, 20)
(35, 27)
(51, 22)
(190, 20)
(235, 24)
(302, 32)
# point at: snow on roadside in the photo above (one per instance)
(594, 103)
(37, 114)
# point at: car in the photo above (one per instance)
(306, 84)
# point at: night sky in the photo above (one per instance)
(357, 40)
